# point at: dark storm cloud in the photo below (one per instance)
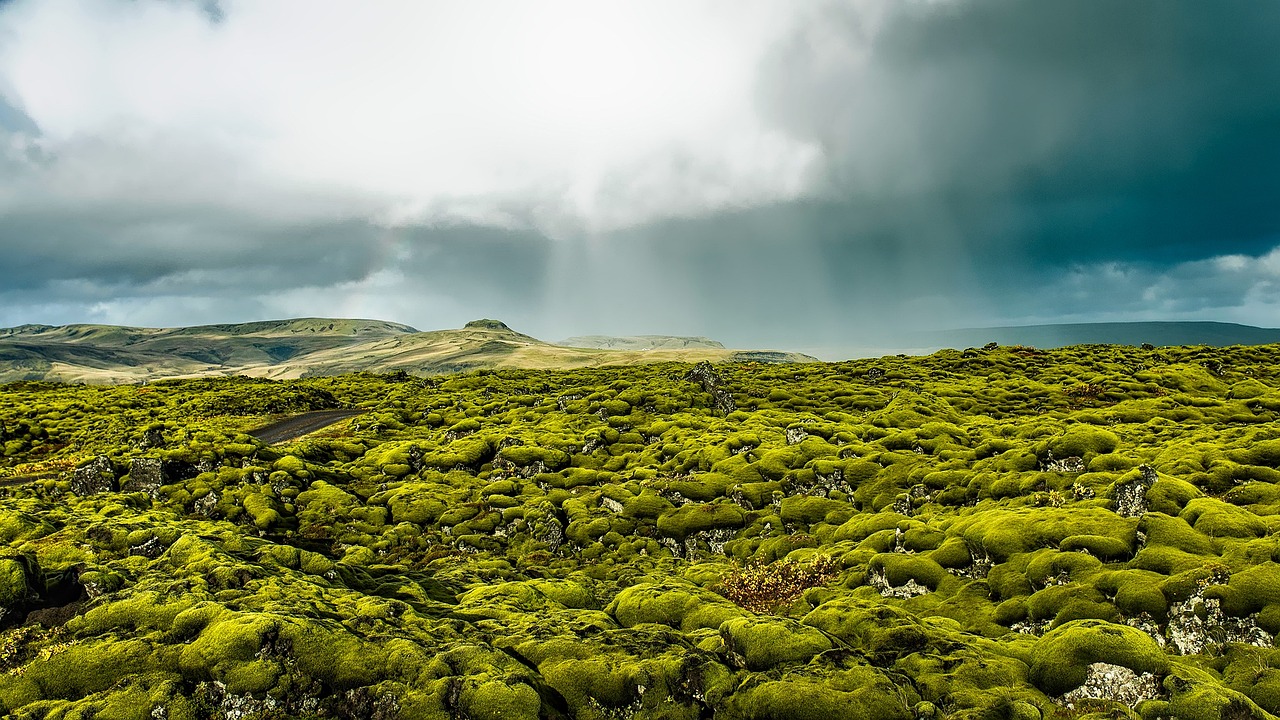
(124, 247)
(1071, 132)
(129, 265)
(480, 262)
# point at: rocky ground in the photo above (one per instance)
(990, 533)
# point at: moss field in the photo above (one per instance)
(959, 535)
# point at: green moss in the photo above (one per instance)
(1216, 518)
(451, 556)
(224, 647)
(602, 681)
(1059, 660)
(138, 612)
(885, 631)
(17, 527)
(899, 568)
(952, 553)
(92, 667)
(1176, 533)
(1103, 547)
(1049, 566)
(1083, 441)
(1170, 495)
(1065, 603)
(1004, 533)
(337, 657)
(498, 700)
(871, 696)
(808, 510)
(694, 518)
(763, 643)
(863, 526)
(1196, 697)
(1250, 590)
(14, 588)
(648, 504)
(1110, 462)
(1135, 592)
(680, 605)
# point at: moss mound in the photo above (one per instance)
(1059, 660)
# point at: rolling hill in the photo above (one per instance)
(1215, 334)
(639, 342)
(308, 347)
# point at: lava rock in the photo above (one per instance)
(1074, 465)
(152, 438)
(151, 549)
(714, 384)
(1104, 681)
(879, 580)
(207, 505)
(795, 436)
(1131, 496)
(145, 475)
(97, 476)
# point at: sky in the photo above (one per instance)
(805, 174)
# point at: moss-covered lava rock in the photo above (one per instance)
(995, 532)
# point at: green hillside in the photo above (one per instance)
(1088, 532)
(306, 347)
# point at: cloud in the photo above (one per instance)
(764, 173)
(571, 115)
(1236, 288)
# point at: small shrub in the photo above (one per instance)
(765, 587)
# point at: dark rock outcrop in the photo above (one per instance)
(96, 476)
(145, 475)
(713, 384)
(152, 438)
(415, 459)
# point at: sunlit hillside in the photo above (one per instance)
(318, 346)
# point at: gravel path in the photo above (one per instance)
(24, 479)
(299, 425)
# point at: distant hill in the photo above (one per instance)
(269, 328)
(639, 342)
(308, 347)
(1116, 333)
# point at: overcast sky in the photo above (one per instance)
(786, 173)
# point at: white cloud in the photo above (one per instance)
(574, 114)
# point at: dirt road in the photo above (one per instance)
(299, 425)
